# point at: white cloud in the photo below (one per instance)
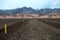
(10, 4)
(55, 4)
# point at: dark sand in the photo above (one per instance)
(31, 30)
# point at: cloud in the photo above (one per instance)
(11, 4)
(52, 4)
(56, 4)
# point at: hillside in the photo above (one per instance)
(29, 10)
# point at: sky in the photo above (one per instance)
(36, 4)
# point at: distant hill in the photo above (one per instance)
(29, 10)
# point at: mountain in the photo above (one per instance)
(24, 10)
(29, 10)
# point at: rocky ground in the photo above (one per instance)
(30, 30)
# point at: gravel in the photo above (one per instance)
(30, 30)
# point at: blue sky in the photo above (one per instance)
(36, 4)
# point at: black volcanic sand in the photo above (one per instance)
(30, 30)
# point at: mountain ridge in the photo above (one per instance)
(29, 10)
